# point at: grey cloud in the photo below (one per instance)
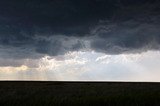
(10, 62)
(126, 37)
(31, 63)
(18, 52)
(32, 29)
(58, 45)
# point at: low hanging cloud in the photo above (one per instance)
(32, 29)
(125, 38)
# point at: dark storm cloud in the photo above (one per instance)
(57, 44)
(121, 38)
(29, 28)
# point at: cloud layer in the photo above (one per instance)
(32, 29)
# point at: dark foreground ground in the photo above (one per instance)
(25, 93)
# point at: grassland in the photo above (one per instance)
(32, 93)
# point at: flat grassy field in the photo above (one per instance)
(37, 93)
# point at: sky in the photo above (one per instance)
(80, 40)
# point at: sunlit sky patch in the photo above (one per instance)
(88, 66)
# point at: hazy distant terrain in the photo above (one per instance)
(24, 93)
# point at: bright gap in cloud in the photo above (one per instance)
(87, 66)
